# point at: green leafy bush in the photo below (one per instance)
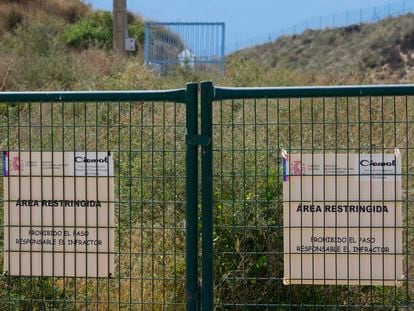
(94, 30)
(137, 31)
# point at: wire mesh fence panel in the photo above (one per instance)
(312, 199)
(306, 199)
(94, 202)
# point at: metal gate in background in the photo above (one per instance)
(190, 46)
(245, 135)
(144, 133)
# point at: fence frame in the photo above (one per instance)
(187, 96)
(210, 94)
(203, 298)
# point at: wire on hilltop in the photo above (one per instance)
(336, 20)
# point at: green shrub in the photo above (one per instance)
(137, 31)
(94, 30)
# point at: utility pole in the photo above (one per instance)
(120, 25)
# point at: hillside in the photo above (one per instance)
(66, 45)
(382, 51)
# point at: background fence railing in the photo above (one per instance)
(195, 46)
(336, 20)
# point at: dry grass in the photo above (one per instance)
(383, 51)
(14, 12)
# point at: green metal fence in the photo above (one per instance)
(248, 136)
(252, 130)
(144, 134)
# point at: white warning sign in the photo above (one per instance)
(58, 214)
(342, 219)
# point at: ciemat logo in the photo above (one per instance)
(297, 168)
(374, 163)
(86, 160)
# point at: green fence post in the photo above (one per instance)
(192, 198)
(207, 296)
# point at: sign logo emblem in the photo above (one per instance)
(16, 164)
(297, 168)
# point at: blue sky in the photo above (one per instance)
(244, 18)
